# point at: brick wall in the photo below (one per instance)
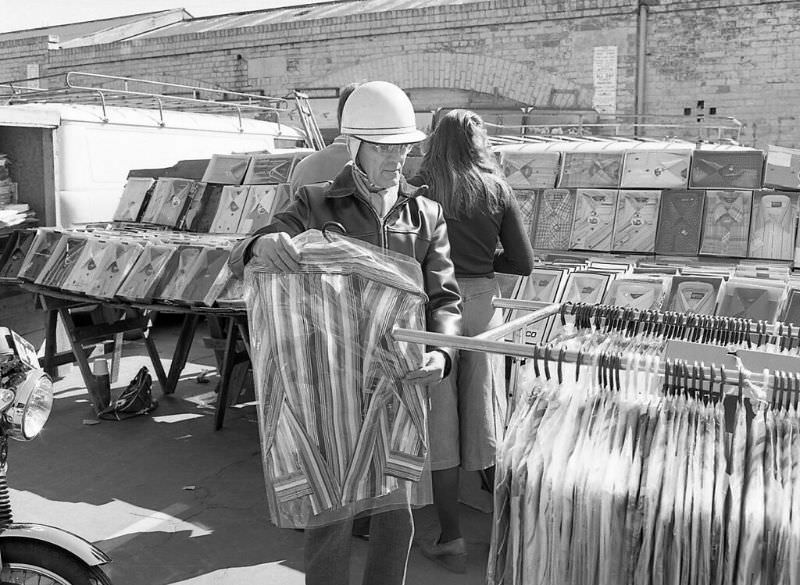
(739, 56)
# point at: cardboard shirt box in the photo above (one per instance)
(531, 170)
(39, 253)
(146, 273)
(772, 228)
(62, 261)
(88, 267)
(593, 224)
(555, 214)
(15, 253)
(635, 222)
(134, 199)
(726, 169)
(726, 223)
(271, 169)
(655, 169)
(680, 222)
(258, 208)
(782, 169)
(229, 212)
(168, 201)
(227, 169)
(117, 263)
(591, 170)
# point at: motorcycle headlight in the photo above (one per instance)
(31, 407)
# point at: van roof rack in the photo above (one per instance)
(94, 88)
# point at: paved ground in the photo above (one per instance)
(175, 502)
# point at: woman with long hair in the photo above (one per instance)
(467, 410)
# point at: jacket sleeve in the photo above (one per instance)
(292, 221)
(517, 254)
(443, 312)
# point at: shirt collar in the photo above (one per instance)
(735, 210)
(344, 186)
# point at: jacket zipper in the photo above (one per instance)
(381, 223)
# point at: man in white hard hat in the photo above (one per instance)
(370, 200)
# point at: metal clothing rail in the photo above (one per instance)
(489, 342)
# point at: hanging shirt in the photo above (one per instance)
(680, 222)
(340, 430)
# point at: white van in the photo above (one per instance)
(71, 160)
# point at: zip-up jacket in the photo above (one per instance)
(414, 226)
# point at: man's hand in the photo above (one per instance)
(432, 370)
(275, 251)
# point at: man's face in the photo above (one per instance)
(382, 163)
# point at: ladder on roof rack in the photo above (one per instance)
(308, 120)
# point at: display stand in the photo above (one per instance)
(228, 326)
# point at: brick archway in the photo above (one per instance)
(468, 71)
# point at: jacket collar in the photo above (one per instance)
(343, 186)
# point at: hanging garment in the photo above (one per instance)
(635, 223)
(340, 431)
(772, 231)
(554, 219)
(680, 222)
(727, 223)
(134, 199)
(594, 219)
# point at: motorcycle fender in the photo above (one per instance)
(72, 543)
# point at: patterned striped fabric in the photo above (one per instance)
(340, 432)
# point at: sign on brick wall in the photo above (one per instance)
(604, 68)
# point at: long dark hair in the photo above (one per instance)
(459, 167)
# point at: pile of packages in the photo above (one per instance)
(11, 212)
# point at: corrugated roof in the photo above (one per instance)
(68, 32)
(307, 12)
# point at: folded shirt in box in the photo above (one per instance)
(146, 273)
(591, 170)
(772, 229)
(680, 222)
(635, 223)
(726, 224)
(258, 208)
(694, 294)
(62, 261)
(655, 169)
(117, 262)
(635, 293)
(178, 272)
(227, 169)
(203, 208)
(782, 168)
(204, 272)
(555, 213)
(751, 300)
(134, 199)
(526, 198)
(270, 169)
(169, 201)
(15, 253)
(594, 219)
(543, 284)
(87, 268)
(791, 313)
(231, 207)
(39, 253)
(530, 170)
(726, 169)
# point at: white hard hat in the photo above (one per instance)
(380, 112)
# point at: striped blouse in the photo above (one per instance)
(340, 431)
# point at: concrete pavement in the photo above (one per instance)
(173, 501)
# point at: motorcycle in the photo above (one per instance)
(34, 553)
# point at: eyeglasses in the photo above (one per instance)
(390, 148)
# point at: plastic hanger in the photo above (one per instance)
(559, 369)
(536, 371)
(547, 350)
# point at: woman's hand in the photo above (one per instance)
(432, 370)
(276, 252)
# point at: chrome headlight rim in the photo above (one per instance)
(34, 392)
